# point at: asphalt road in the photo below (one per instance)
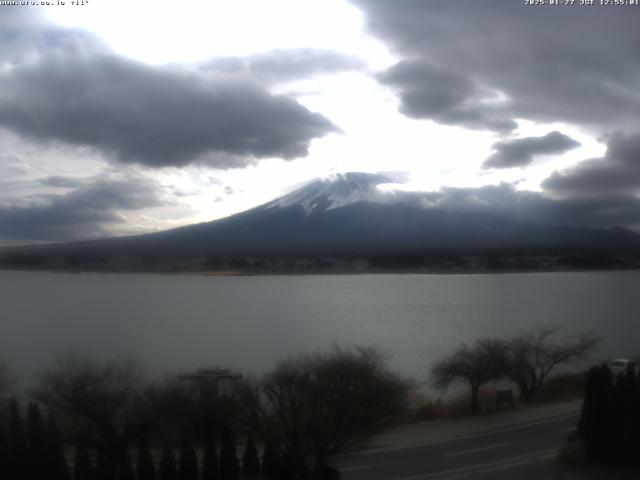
(520, 452)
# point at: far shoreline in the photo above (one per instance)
(301, 272)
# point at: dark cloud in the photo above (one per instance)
(624, 149)
(429, 91)
(617, 173)
(88, 211)
(505, 200)
(281, 66)
(569, 63)
(154, 116)
(64, 85)
(521, 151)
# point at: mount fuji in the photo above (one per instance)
(344, 215)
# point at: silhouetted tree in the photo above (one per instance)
(483, 362)
(210, 461)
(635, 420)
(291, 468)
(104, 403)
(168, 470)
(19, 459)
(188, 462)
(624, 446)
(82, 466)
(596, 421)
(106, 466)
(270, 463)
(533, 355)
(324, 404)
(6, 378)
(37, 440)
(250, 460)
(125, 471)
(146, 469)
(326, 472)
(57, 463)
(229, 467)
(4, 454)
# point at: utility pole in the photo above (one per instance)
(208, 380)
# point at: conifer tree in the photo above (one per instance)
(270, 463)
(4, 454)
(635, 420)
(168, 470)
(287, 467)
(37, 441)
(250, 460)
(56, 461)
(210, 461)
(106, 466)
(229, 467)
(125, 471)
(146, 469)
(597, 423)
(588, 423)
(82, 466)
(188, 462)
(606, 424)
(18, 453)
(622, 407)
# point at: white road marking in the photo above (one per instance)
(571, 429)
(353, 469)
(517, 463)
(465, 437)
(503, 464)
(455, 454)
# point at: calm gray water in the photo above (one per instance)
(179, 322)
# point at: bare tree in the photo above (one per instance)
(319, 405)
(103, 403)
(483, 362)
(536, 353)
(6, 378)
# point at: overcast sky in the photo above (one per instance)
(128, 116)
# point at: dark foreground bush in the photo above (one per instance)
(610, 420)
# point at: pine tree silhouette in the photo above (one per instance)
(146, 470)
(270, 463)
(82, 466)
(210, 461)
(18, 453)
(4, 455)
(168, 470)
(188, 462)
(37, 441)
(106, 466)
(229, 467)
(56, 461)
(250, 460)
(125, 471)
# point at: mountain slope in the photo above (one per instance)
(343, 215)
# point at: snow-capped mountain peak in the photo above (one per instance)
(336, 191)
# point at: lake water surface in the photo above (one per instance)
(180, 322)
